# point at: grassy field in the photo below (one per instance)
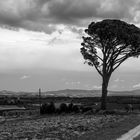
(60, 127)
(71, 126)
(68, 127)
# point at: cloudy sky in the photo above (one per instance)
(40, 44)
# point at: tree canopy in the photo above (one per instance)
(117, 41)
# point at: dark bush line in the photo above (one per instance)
(47, 108)
(63, 108)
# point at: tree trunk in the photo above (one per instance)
(104, 92)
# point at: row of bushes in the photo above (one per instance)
(11, 102)
(63, 108)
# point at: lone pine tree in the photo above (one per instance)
(108, 44)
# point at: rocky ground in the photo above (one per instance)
(61, 127)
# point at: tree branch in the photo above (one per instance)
(98, 70)
(120, 63)
(119, 59)
(98, 57)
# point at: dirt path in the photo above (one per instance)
(137, 138)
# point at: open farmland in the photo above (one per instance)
(10, 107)
(24, 122)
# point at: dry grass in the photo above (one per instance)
(60, 127)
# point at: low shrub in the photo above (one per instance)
(47, 108)
(75, 109)
(63, 108)
(70, 107)
(85, 109)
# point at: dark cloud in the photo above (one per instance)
(38, 26)
(71, 11)
(38, 15)
(79, 11)
(9, 27)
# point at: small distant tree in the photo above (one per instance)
(70, 107)
(43, 109)
(51, 108)
(107, 45)
(76, 109)
(47, 108)
(63, 108)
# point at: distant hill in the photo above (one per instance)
(71, 93)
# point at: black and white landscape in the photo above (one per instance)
(69, 69)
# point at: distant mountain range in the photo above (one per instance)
(71, 93)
